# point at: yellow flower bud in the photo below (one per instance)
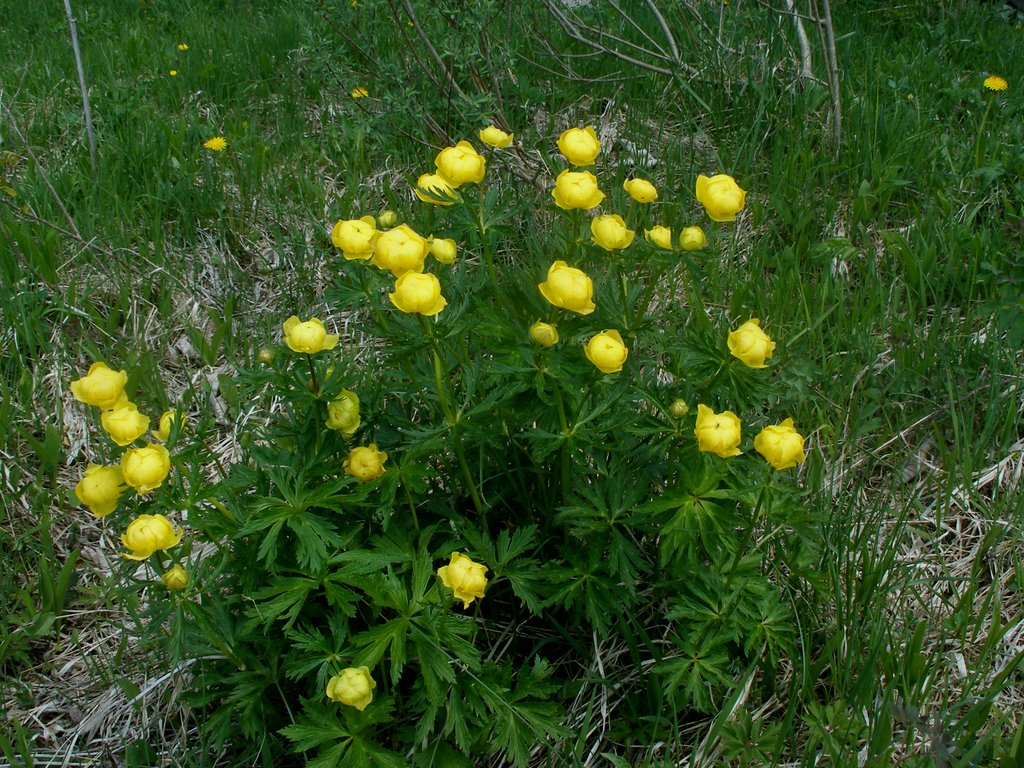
(544, 334)
(781, 445)
(418, 292)
(444, 250)
(124, 424)
(100, 488)
(577, 190)
(434, 189)
(266, 356)
(365, 463)
(167, 421)
(717, 433)
(640, 190)
(353, 687)
(496, 137)
(101, 387)
(308, 337)
(400, 250)
(465, 578)
(692, 239)
(579, 145)
(750, 344)
(660, 236)
(721, 196)
(147, 534)
(145, 469)
(343, 413)
(355, 237)
(607, 351)
(610, 232)
(460, 164)
(569, 288)
(175, 578)
(679, 408)
(387, 219)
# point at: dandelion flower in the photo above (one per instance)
(216, 144)
(182, 46)
(360, 93)
(173, 73)
(996, 83)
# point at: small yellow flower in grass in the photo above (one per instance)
(353, 687)
(365, 463)
(400, 250)
(640, 190)
(387, 219)
(100, 488)
(145, 469)
(610, 232)
(465, 578)
(750, 345)
(495, 137)
(607, 351)
(996, 83)
(692, 239)
(175, 578)
(309, 336)
(101, 387)
(577, 190)
(124, 424)
(355, 237)
(781, 445)
(580, 146)
(359, 93)
(461, 164)
(216, 144)
(717, 433)
(721, 196)
(434, 189)
(418, 293)
(173, 73)
(544, 334)
(183, 47)
(660, 236)
(569, 288)
(343, 413)
(167, 422)
(444, 249)
(147, 534)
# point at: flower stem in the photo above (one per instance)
(981, 131)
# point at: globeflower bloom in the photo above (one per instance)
(577, 190)
(692, 239)
(400, 250)
(355, 237)
(495, 137)
(343, 413)
(145, 469)
(308, 336)
(640, 190)
(996, 83)
(750, 344)
(717, 433)
(100, 488)
(167, 421)
(216, 144)
(418, 293)
(101, 386)
(781, 445)
(387, 219)
(579, 145)
(660, 236)
(465, 578)
(434, 189)
(721, 196)
(544, 334)
(353, 687)
(365, 463)
(607, 351)
(444, 249)
(175, 578)
(147, 534)
(569, 288)
(610, 232)
(461, 164)
(124, 423)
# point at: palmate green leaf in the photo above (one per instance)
(700, 673)
(339, 735)
(283, 598)
(312, 649)
(389, 637)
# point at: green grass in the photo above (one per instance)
(889, 268)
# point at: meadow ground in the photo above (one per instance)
(885, 256)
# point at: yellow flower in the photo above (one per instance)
(996, 83)
(461, 164)
(216, 144)
(544, 334)
(387, 219)
(365, 463)
(167, 421)
(444, 249)
(353, 687)
(400, 250)
(434, 189)
(577, 190)
(781, 445)
(343, 413)
(721, 196)
(607, 351)
(146, 468)
(355, 237)
(692, 239)
(176, 578)
(496, 137)
(610, 232)
(750, 344)
(124, 424)
(660, 236)
(101, 387)
(569, 288)
(465, 578)
(266, 356)
(147, 534)
(360, 93)
(717, 433)
(309, 336)
(419, 293)
(182, 46)
(679, 408)
(173, 73)
(100, 488)
(640, 190)
(579, 145)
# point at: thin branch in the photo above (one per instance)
(833, 71)
(665, 28)
(806, 63)
(602, 34)
(662, 54)
(81, 84)
(430, 49)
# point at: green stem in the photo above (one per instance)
(981, 130)
(312, 376)
(564, 457)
